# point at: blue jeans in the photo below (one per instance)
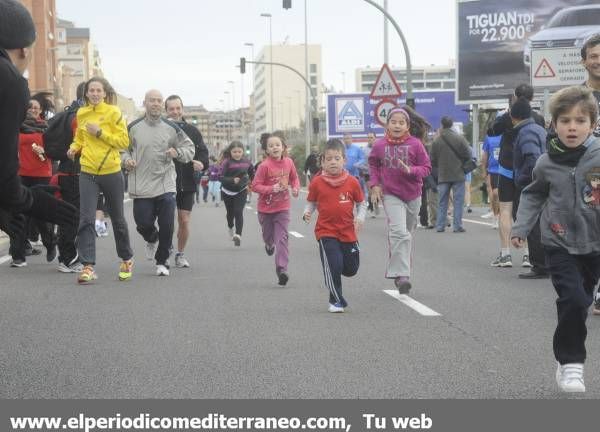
(458, 194)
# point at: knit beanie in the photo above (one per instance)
(16, 25)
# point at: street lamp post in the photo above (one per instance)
(308, 91)
(268, 15)
(254, 147)
(232, 83)
(227, 116)
(409, 84)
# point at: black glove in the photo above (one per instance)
(50, 209)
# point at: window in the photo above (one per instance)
(313, 68)
(313, 80)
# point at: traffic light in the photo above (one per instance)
(287, 4)
(242, 64)
(315, 125)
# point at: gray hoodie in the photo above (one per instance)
(154, 173)
(569, 207)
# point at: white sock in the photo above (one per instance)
(505, 251)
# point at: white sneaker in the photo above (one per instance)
(495, 223)
(76, 267)
(237, 240)
(151, 250)
(335, 308)
(488, 215)
(180, 261)
(569, 377)
(161, 270)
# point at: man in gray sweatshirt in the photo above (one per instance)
(154, 143)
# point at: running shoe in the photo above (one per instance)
(336, 308)
(180, 261)
(151, 250)
(87, 275)
(126, 270)
(403, 284)
(502, 261)
(162, 270)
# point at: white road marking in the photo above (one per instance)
(477, 222)
(411, 303)
(296, 234)
(249, 207)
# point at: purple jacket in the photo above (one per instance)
(386, 171)
(214, 172)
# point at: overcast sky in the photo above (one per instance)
(191, 47)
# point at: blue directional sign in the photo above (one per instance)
(355, 112)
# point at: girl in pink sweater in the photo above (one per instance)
(272, 182)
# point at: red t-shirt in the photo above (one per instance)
(336, 208)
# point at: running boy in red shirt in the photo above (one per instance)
(335, 194)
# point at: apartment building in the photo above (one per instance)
(423, 77)
(286, 108)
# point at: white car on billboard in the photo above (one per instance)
(568, 28)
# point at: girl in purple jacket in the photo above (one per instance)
(398, 163)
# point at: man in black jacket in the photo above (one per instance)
(186, 184)
(17, 34)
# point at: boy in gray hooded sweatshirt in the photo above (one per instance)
(570, 224)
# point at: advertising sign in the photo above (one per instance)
(350, 114)
(496, 39)
(343, 109)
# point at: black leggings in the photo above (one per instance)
(234, 204)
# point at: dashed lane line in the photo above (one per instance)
(412, 303)
(477, 222)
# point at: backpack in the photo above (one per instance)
(59, 135)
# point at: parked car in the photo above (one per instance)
(568, 28)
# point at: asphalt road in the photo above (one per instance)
(225, 329)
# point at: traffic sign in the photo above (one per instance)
(385, 85)
(382, 110)
(556, 67)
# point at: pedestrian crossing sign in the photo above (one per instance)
(385, 86)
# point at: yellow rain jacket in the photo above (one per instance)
(100, 156)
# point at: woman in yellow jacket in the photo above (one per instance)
(100, 137)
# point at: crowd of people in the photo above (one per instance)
(544, 179)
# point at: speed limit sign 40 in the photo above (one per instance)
(382, 109)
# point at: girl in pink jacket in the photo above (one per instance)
(275, 176)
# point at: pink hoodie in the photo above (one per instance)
(270, 172)
(387, 172)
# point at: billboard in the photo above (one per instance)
(355, 113)
(496, 38)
